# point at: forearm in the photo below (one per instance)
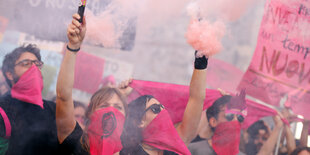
(187, 129)
(290, 140)
(66, 77)
(304, 134)
(269, 145)
(197, 89)
(64, 103)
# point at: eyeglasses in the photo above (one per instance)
(230, 117)
(27, 63)
(156, 108)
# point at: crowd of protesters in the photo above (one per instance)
(110, 125)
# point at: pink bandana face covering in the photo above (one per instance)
(226, 138)
(29, 87)
(105, 130)
(161, 134)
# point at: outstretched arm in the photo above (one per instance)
(65, 120)
(187, 129)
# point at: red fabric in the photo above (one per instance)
(104, 131)
(161, 134)
(7, 123)
(175, 97)
(281, 61)
(88, 72)
(226, 138)
(29, 87)
(218, 71)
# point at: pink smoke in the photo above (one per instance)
(229, 10)
(205, 37)
(101, 29)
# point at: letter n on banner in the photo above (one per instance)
(281, 63)
(88, 72)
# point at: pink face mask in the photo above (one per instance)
(161, 134)
(104, 131)
(226, 138)
(29, 87)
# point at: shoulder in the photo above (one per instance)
(200, 147)
(50, 105)
(72, 143)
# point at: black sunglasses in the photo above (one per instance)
(156, 108)
(230, 117)
(28, 63)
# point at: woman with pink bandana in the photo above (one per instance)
(105, 114)
(148, 128)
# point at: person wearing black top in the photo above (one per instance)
(145, 109)
(72, 139)
(29, 125)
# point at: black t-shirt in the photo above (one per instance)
(72, 144)
(197, 139)
(33, 128)
(140, 151)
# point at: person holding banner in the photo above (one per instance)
(224, 118)
(105, 114)
(149, 129)
(262, 140)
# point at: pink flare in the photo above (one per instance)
(205, 37)
(101, 30)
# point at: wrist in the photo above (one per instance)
(73, 46)
(201, 63)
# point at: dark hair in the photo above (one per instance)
(79, 104)
(10, 59)
(132, 133)
(100, 96)
(215, 109)
(299, 149)
(253, 130)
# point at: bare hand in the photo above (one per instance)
(76, 32)
(277, 121)
(124, 87)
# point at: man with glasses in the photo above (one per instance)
(224, 118)
(27, 121)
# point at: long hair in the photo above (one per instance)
(132, 133)
(102, 95)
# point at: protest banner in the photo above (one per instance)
(281, 63)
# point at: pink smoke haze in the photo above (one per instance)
(205, 37)
(101, 30)
(229, 10)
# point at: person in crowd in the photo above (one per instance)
(262, 141)
(149, 129)
(224, 119)
(27, 121)
(104, 116)
(79, 113)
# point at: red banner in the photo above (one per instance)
(218, 73)
(88, 72)
(281, 62)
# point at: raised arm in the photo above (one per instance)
(187, 129)
(269, 145)
(65, 120)
(304, 133)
